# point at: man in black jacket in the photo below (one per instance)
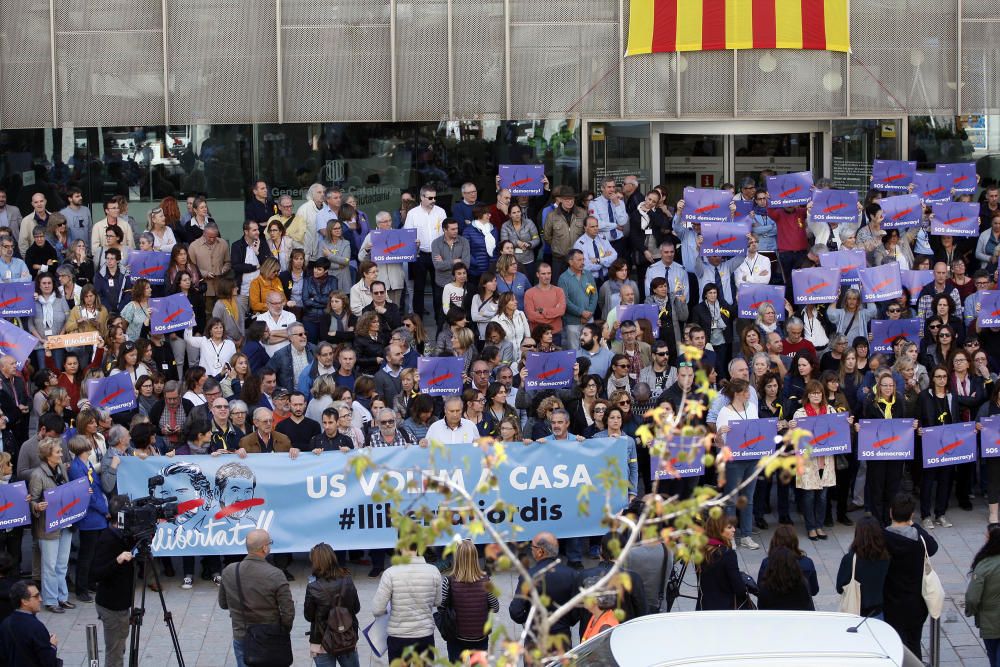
(113, 570)
(24, 640)
(558, 583)
(247, 254)
(904, 606)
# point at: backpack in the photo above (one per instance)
(340, 634)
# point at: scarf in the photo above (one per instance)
(887, 412)
(231, 308)
(812, 411)
(487, 229)
(47, 313)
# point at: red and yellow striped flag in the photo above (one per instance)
(658, 26)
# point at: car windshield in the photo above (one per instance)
(595, 653)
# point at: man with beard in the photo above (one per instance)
(297, 426)
(591, 348)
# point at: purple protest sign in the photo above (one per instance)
(794, 189)
(894, 175)
(949, 444)
(751, 296)
(17, 299)
(724, 238)
(67, 504)
(881, 283)
(523, 180)
(829, 434)
(394, 246)
(989, 437)
(16, 342)
(170, 313)
(988, 313)
(751, 438)
(955, 218)
(900, 211)
(440, 376)
(884, 332)
(846, 261)
(834, 206)
(816, 285)
(115, 393)
(549, 370)
(684, 459)
(14, 509)
(640, 311)
(932, 188)
(743, 210)
(706, 205)
(914, 280)
(885, 440)
(962, 176)
(149, 264)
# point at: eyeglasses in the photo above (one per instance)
(663, 353)
(485, 372)
(933, 326)
(600, 409)
(621, 365)
(388, 422)
(939, 376)
(300, 333)
(625, 402)
(379, 293)
(527, 344)
(893, 310)
(944, 334)
(430, 198)
(220, 407)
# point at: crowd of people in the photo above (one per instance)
(301, 342)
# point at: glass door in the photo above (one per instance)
(693, 159)
(781, 153)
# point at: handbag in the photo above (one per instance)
(930, 587)
(445, 618)
(265, 644)
(850, 599)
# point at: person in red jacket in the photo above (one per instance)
(792, 241)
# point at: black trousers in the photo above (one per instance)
(84, 559)
(422, 268)
(882, 483)
(397, 645)
(942, 477)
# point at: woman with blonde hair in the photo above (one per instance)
(54, 545)
(322, 397)
(337, 250)
(265, 283)
(467, 588)
(409, 380)
(163, 236)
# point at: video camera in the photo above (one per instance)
(139, 519)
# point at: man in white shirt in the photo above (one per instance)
(598, 255)
(610, 211)
(39, 216)
(277, 320)
(453, 429)
(426, 219)
(98, 240)
(675, 274)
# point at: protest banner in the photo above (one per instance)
(706, 205)
(848, 261)
(914, 280)
(962, 175)
(880, 283)
(829, 434)
(933, 188)
(884, 332)
(901, 211)
(685, 458)
(115, 393)
(955, 218)
(751, 438)
(724, 238)
(834, 206)
(988, 304)
(67, 504)
(149, 264)
(892, 175)
(80, 339)
(794, 189)
(440, 376)
(751, 296)
(324, 498)
(394, 246)
(549, 370)
(17, 299)
(170, 313)
(816, 285)
(14, 509)
(989, 437)
(523, 180)
(640, 311)
(16, 342)
(885, 440)
(949, 444)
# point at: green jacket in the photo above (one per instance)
(982, 597)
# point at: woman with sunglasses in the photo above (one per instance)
(944, 307)
(496, 409)
(945, 344)
(970, 393)
(582, 411)
(769, 406)
(57, 234)
(938, 406)
(542, 426)
(620, 399)
(78, 256)
(617, 378)
(473, 403)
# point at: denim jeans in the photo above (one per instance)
(55, 562)
(344, 660)
(814, 509)
(993, 651)
(238, 652)
(736, 473)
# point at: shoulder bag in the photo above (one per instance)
(850, 599)
(930, 587)
(265, 644)
(445, 617)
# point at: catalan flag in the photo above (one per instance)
(658, 26)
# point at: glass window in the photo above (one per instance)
(618, 150)
(856, 144)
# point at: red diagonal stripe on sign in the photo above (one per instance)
(790, 191)
(751, 442)
(549, 373)
(947, 448)
(878, 444)
(933, 191)
(706, 209)
(10, 301)
(151, 269)
(189, 505)
(439, 378)
(821, 437)
(104, 401)
(393, 248)
(835, 207)
(953, 221)
(724, 241)
(66, 508)
(173, 315)
(819, 286)
(903, 213)
(522, 181)
(882, 284)
(894, 177)
(7, 506)
(238, 506)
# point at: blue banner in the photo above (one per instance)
(751, 438)
(640, 311)
(847, 261)
(949, 444)
(16, 342)
(14, 509)
(885, 440)
(751, 296)
(988, 314)
(523, 180)
(440, 376)
(962, 175)
(955, 218)
(989, 437)
(881, 283)
(816, 285)
(685, 458)
(839, 206)
(724, 238)
(932, 188)
(394, 246)
(115, 393)
(67, 503)
(321, 498)
(886, 331)
(17, 299)
(706, 205)
(149, 264)
(901, 211)
(914, 280)
(549, 370)
(829, 434)
(794, 189)
(170, 313)
(894, 175)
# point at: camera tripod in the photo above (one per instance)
(136, 614)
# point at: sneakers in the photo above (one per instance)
(943, 522)
(927, 523)
(188, 582)
(748, 543)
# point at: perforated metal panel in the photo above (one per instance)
(107, 16)
(223, 62)
(422, 60)
(980, 68)
(767, 82)
(25, 64)
(478, 56)
(350, 82)
(336, 12)
(649, 86)
(564, 70)
(579, 11)
(706, 83)
(904, 56)
(981, 9)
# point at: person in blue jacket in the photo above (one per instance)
(24, 640)
(316, 290)
(96, 518)
(483, 242)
